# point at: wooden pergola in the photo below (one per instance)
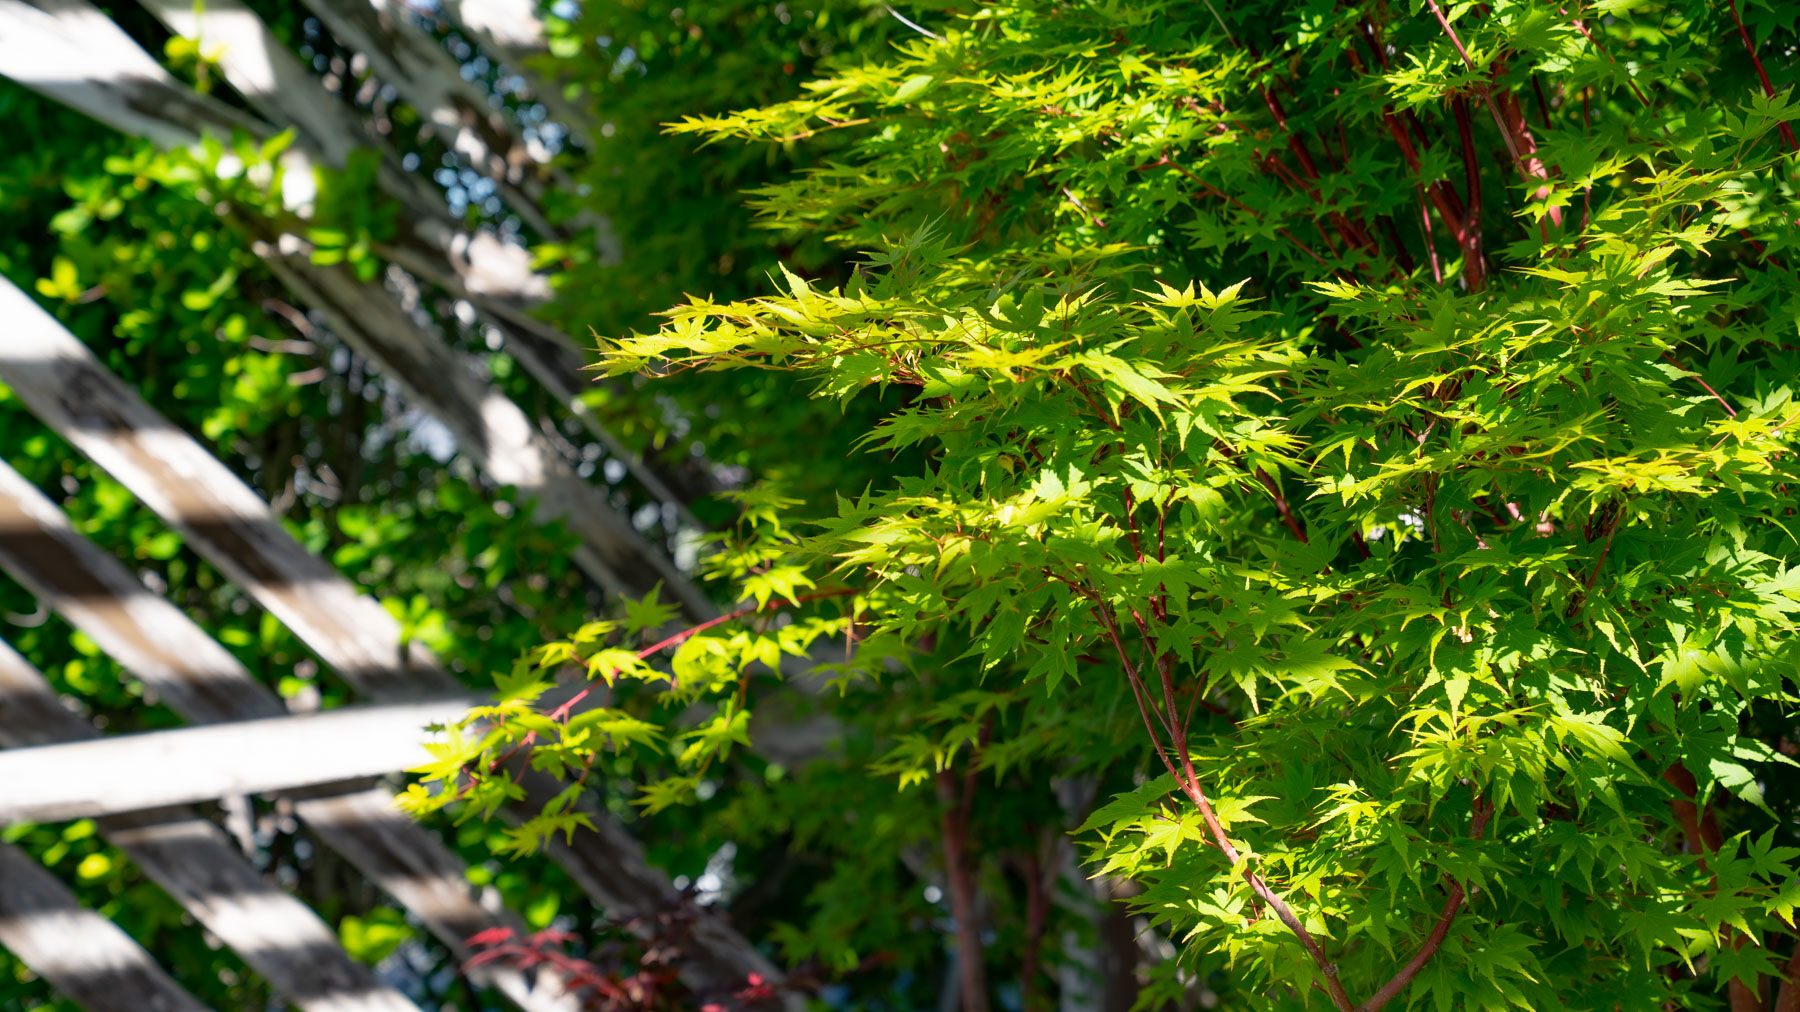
(327, 765)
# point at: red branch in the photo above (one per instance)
(1703, 838)
(1449, 207)
(1787, 132)
(1474, 271)
(679, 637)
(1513, 128)
(954, 822)
(1190, 785)
(1453, 904)
(1281, 504)
(1702, 381)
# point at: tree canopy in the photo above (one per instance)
(1094, 505)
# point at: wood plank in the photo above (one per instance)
(182, 665)
(488, 427)
(270, 78)
(445, 382)
(126, 773)
(512, 31)
(228, 524)
(120, 85)
(195, 862)
(62, 383)
(82, 954)
(431, 81)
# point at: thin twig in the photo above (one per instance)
(1474, 271)
(1453, 904)
(915, 26)
(1702, 381)
(1093, 219)
(1190, 785)
(1787, 132)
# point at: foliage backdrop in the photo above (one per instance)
(1305, 487)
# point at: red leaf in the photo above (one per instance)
(492, 936)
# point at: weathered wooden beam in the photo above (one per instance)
(46, 44)
(119, 84)
(133, 772)
(61, 382)
(488, 427)
(512, 31)
(431, 81)
(449, 384)
(196, 864)
(182, 666)
(81, 953)
(228, 524)
(269, 77)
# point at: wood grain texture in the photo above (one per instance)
(183, 667)
(196, 863)
(81, 953)
(39, 47)
(116, 774)
(227, 523)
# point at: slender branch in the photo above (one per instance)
(1702, 381)
(1190, 785)
(1287, 514)
(1787, 132)
(1093, 219)
(954, 823)
(773, 602)
(1442, 197)
(1431, 253)
(1487, 88)
(1587, 587)
(903, 19)
(1453, 904)
(1212, 192)
(1111, 625)
(1474, 271)
(1703, 838)
(1515, 123)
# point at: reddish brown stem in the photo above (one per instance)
(1587, 192)
(1287, 514)
(1474, 271)
(1449, 208)
(954, 822)
(1537, 87)
(1702, 381)
(1037, 916)
(1513, 122)
(1190, 785)
(1787, 132)
(1211, 192)
(683, 635)
(1703, 838)
(1453, 904)
(1353, 232)
(1513, 128)
(1437, 269)
(1788, 998)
